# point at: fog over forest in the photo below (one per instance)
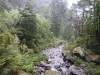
(49, 37)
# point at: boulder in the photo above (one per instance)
(76, 70)
(79, 51)
(93, 58)
(52, 71)
(88, 59)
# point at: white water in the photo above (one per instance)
(56, 59)
(54, 55)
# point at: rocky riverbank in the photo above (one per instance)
(57, 64)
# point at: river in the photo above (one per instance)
(55, 55)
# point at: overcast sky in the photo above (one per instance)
(70, 2)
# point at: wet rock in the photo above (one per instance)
(82, 66)
(69, 59)
(40, 70)
(52, 71)
(78, 51)
(45, 64)
(76, 70)
(92, 58)
(88, 59)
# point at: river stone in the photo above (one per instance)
(93, 58)
(88, 58)
(76, 70)
(51, 72)
(79, 50)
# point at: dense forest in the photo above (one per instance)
(28, 27)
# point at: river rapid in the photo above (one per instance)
(55, 55)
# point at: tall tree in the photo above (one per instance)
(83, 5)
(58, 11)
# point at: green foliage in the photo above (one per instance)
(27, 26)
(27, 65)
(6, 38)
(74, 43)
(90, 68)
(8, 44)
(43, 34)
(22, 33)
(43, 26)
(8, 19)
(58, 17)
(91, 25)
(8, 53)
(12, 16)
(98, 71)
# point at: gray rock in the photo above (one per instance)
(51, 72)
(79, 50)
(76, 70)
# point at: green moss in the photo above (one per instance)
(98, 70)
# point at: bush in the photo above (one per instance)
(72, 43)
(23, 35)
